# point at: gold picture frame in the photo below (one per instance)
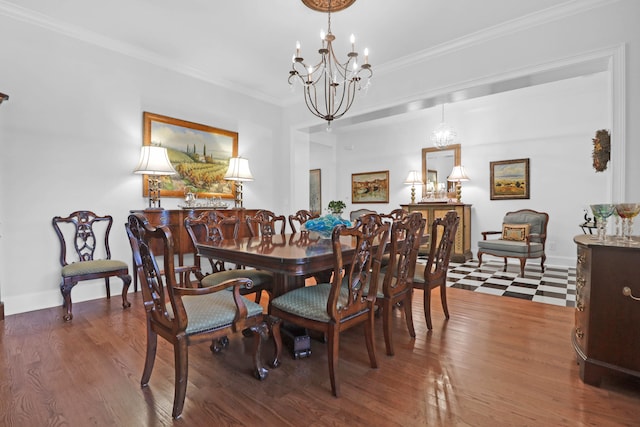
(510, 179)
(199, 153)
(370, 187)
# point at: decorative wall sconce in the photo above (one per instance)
(154, 162)
(238, 171)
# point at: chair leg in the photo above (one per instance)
(333, 345)
(150, 358)
(522, 264)
(108, 286)
(386, 325)
(479, 259)
(544, 257)
(427, 306)
(181, 358)
(126, 281)
(408, 313)
(274, 326)
(260, 333)
(65, 289)
(258, 296)
(443, 297)
(369, 339)
(505, 264)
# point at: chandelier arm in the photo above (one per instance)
(310, 105)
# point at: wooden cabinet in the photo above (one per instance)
(174, 218)
(462, 249)
(606, 337)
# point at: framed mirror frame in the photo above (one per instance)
(426, 169)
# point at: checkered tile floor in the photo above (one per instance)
(557, 285)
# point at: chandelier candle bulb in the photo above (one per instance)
(366, 55)
(297, 49)
(353, 43)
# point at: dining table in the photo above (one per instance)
(291, 257)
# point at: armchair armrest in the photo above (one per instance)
(241, 312)
(488, 233)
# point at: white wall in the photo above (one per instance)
(71, 136)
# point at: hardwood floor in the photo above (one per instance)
(497, 361)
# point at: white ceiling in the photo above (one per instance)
(247, 45)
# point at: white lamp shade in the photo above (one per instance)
(154, 161)
(458, 174)
(413, 178)
(238, 170)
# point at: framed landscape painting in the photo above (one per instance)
(199, 153)
(510, 179)
(315, 192)
(370, 187)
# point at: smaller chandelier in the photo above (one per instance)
(443, 134)
(330, 86)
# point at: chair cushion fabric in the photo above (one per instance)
(212, 311)
(258, 277)
(309, 302)
(517, 232)
(502, 247)
(92, 267)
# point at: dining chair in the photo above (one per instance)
(209, 228)
(88, 259)
(397, 281)
(300, 217)
(346, 301)
(185, 316)
(394, 215)
(354, 215)
(433, 274)
(265, 223)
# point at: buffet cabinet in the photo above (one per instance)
(174, 218)
(606, 337)
(430, 211)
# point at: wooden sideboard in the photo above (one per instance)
(462, 248)
(606, 337)
(174, 218)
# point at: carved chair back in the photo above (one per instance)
(83, 235)
(266, 223)
(209, 227)
(300, 217)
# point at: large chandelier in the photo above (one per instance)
(443, 134)
(330, 86)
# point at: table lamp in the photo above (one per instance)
(458, 174)
(238, 171)
(412, 179)
(154, 162)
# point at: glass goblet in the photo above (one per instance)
(628, 211)
(618, 233)
(602, 212)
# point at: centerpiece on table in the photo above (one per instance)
(324, 225)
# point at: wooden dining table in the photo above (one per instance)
(290, 257)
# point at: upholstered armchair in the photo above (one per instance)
(523, 236)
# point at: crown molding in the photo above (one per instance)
(35, 18)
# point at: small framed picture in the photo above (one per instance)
(510, 179)
(370, 187)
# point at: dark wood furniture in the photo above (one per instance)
(174, 219)
(208, 227)
(214, 312)
(531, 246)
(300, 217)
(606, 337)
(330, 308)
(461, 251)
(397, 285)
(433, 274)
(266, 223)
(87, 233)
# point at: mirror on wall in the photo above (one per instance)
(436, 166)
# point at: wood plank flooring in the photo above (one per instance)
(497, 362)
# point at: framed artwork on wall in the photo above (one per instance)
(510, 179)
(315, 192)
(370, 187)
(199, 153)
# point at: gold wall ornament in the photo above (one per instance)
(323, 5)
(601, 150)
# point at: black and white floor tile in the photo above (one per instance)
(557, 285)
